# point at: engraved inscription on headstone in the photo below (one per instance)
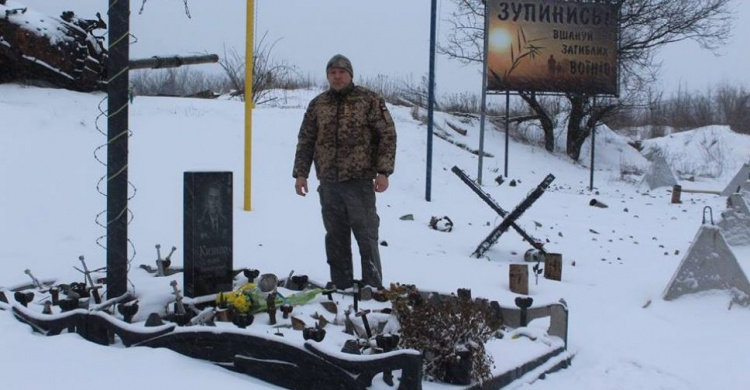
(553, 266)
(518, 278)
(207, 232)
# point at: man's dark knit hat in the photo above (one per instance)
(339, 61)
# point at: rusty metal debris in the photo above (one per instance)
(62, 51)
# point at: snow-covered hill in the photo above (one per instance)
(617, 260)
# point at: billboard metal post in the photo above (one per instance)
(593, 143)
(593, 146)
(507, 130)
(483, 112)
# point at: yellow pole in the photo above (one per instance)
(249, 102)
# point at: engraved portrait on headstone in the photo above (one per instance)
(208, 232)
(213, 222)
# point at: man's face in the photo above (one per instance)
(338, 78)
(213, 200)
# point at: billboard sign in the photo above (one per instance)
(552, 46)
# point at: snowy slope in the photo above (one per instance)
(616, 259)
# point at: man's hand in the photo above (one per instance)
(301, 186)
(381, 183)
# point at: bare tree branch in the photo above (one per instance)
(267, 73)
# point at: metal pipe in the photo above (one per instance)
(431, 101)
(593, 145)
(157, 62)
(483, 112)
(701, 191)
(249, 104)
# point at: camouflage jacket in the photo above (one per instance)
(348, 135)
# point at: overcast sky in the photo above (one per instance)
(388, 37)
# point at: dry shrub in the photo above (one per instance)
(447, 329)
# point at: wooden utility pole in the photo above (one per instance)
(118, 67)
(117, 148)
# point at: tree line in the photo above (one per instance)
(645, 27)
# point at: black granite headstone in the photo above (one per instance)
(207, 233)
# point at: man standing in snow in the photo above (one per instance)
(349, 134)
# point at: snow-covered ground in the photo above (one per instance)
(617, 260)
